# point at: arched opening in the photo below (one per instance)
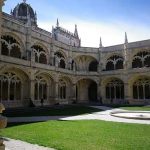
(92, 91)
(10, 47)
(141, 59)
(15, 52)
(40, 88)
(147, 61)
(119, 64)
(137, 63)
(115, 90)
(62, 64)
(10, 87)
(5, 50)
(114, 63)
(93, 66)
(62, 89)
(60, 60)
(86, 63)
(141, 88)
(42, 59)
(110, 65)
(40, 54)
(86, 91)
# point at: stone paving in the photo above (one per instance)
(106, 116)
(20, 145)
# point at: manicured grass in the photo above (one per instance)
(83, 135)
(50, 111)
(138, 108)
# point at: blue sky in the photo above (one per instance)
(106, 18)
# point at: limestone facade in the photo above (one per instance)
(36, 64)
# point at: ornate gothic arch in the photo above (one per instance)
(114, 62)
(10, 87)
(41, 56)
(114, 89)
(141, 59)
(11, 46)
(141, 88)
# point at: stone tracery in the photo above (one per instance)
(114, 62)
(10, 87)
(10, 47)
(141, 88)
(141, 59)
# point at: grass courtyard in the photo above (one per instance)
(83, 135)
(137, 108)
(78, 135)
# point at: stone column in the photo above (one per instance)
(56, 92)
(99, 93)
(1, 5)
(30, 55)
(74, 92)
(127, 92)
(103, 95)
(32, 86)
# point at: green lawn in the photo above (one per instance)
(49, 111)
(83, 135)
(138, 108)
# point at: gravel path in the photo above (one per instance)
(20, 145)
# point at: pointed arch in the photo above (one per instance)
(114, 89)
(41, 56)
(114, 62)
(141, 59)
(11, 46)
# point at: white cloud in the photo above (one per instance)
(111, 34)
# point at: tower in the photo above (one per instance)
(125, 51)
(76, 31)
(100, 43)
(25, 13)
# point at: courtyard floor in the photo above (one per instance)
(101, 115)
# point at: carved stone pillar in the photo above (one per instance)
(1, 6)
(74, 92)
(56, 92)
(127, 92)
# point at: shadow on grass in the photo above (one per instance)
(66, 110)
(13, 124)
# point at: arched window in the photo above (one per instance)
(60, 60)
(141, 59)
(115, 89)
(115, 62)
(93, 66)
(10, 47)
(62, 63)
(62, 89)
(40, 88)
(141, 89)
(10, 87)
(40, 54)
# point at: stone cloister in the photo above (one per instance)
(36, 64)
